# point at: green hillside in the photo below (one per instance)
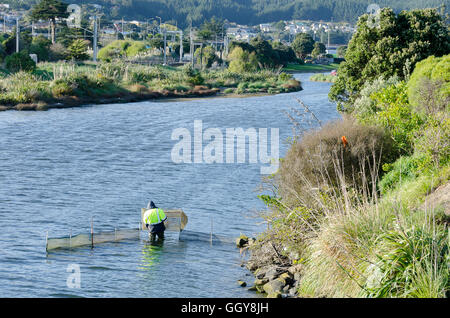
(242, 11)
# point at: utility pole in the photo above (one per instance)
(181, 46)
(17, 35)
(165, 43)
(95, 38)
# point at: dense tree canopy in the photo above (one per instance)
(242, 11)
(390, 47)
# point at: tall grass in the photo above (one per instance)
(351, 241)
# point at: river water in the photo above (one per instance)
(62, 167)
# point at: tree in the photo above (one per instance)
(41, 47)
(78, 50)
(207, 55)
(392, 46)
(49, 10)
(264, 52)
(242, 61)
(20, 62)
(341, 51)
(303, 45)
(319, 48)
(211, 29)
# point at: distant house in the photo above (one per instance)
(240, 33)
(265, 27)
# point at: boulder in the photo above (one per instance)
(242, 283)
(297, 268)
(274, 295)
(274, 286)
(288, 278)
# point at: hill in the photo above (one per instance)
(242, 11)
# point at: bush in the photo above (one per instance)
(78, 50)
(393, 112)
(429, 85)
(404, 169)
(311, 162)
(20, 62)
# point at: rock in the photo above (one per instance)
(252, 288)
(297, 277)
(251, 266)
(242, 283)
(274, 286)
(297, 268)
(275, 271)
(274, 295)
(260, 282)
(292, 292)
(242, 241)
(287, 277)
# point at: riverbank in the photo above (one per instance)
(359, 205)
(323, 77)
(310, 68)
(61, 85)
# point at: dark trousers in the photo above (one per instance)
(159, 234)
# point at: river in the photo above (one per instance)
(61, 167)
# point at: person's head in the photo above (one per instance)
(152, 205)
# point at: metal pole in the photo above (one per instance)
(95, 38)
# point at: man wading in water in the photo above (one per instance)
(154, 221)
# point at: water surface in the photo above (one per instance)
(61, 167)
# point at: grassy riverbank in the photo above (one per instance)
(361, 205)
(66, 85)
(321, 77)
(309, 68)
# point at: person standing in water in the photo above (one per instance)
(154, 221)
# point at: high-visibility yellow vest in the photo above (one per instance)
(154, 216)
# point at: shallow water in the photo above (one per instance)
(61, 167)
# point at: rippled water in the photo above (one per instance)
(61, 167)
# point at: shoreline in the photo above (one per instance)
(74, 101)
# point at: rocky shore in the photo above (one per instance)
(275, 275)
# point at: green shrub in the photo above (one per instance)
(429, 85)
(20, 62)
(393, 112)
(404, 169)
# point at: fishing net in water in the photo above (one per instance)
(176, 221)
(205, 237)
(92, 239)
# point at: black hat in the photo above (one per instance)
(152, 205)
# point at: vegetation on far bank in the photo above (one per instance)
(309, 68)
(351, 200)
(69, 83)
(321, 77)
